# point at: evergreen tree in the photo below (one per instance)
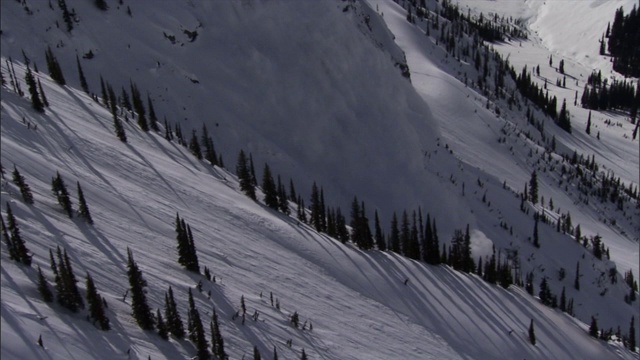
(43, 287)
(36, 103)
(564, 118)
(138, 107)
(303, 356)
(66, 15)
(67, 292)
(217, 342)
(83, 80)
(119, 128)
(533, 188)
(269, 188)
(283, 203)
(379, 236)
(256, 353)
(252, 171)
(96, 306)
(174, 321)
(62, 195)
(209, 150)
(25, 190)
(563, 300)
(45, 102)
(275, 353)
(141, 311)
(54, 67)
(589, 123)
(395, 234)
(532, 334)
(18, 249)
(194, 145)
(161, 326)
(153, 119)
(196, 330)
(593, 328)
(631, 343)
(103, 92)
(193, 264)
(576, 282)
(83, 208)
(71, 283)
(244, 175)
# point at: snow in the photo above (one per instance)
(332, 84)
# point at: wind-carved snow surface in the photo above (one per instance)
(302, 86)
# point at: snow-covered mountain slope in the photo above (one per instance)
(356, 301)
(315, 89)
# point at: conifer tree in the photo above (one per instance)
(252, 171)
(25, 190)
(71, 282)
(256, 353)
(576, 282)
(244, 175)
(209, 149)
(275, 353)
(395, 234)
(153, 119)
(54, 67)
(184, 252)
(103, 92)
(563, 300)
(283, 202)
(102, 5)
(161, 326)
(303, 356)
(193, 256)
(66, 15)
(316, 208)
(196, 331)
(17, 250)
(194, 145)
(631, 342)
(269, 188)
(141, 311)
(62, 195)
(174, 321)
(217, 342)
(83, 208)
(138, 107)
(36, 103)
(532, 334)
(96, 306)
(593, 328)
(379, 236)
(589, 123)
(43, 287)
(533, 188)
(45, 102)
(83, 80)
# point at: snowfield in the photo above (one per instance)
(314, 90)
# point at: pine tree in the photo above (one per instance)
(96, 306)
(66, 15)
(244, 175)
(184, 251)
(43, 287)
(162, 328)
(45, 102)
(217, 342)
(70, 281)
(589, 123)
(25, 190)
(256, 353)
(17, 250)
(196, 331)
(138, 107)
(83, 80)
(83, 208)
(36, 103)
(269, 188)
(193, 256)
(563, 300)
(275, 353)
(119, 129)
(194, 145)
(67, 292)
(532, 334)
(379, 236)
(631, 342)
(533, 188)
(141, 311)
(174, 321)
(209, 149)
(252, 171)
(593, 328)
(54, 67)
(153, 119)
(60, 191)
(394, 238)
(576, 282)
(303, 356)
(283, 202)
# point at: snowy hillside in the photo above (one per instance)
(318, 91)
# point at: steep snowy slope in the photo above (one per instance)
(355, 300)
(316, 90)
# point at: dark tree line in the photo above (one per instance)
(624, 42)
